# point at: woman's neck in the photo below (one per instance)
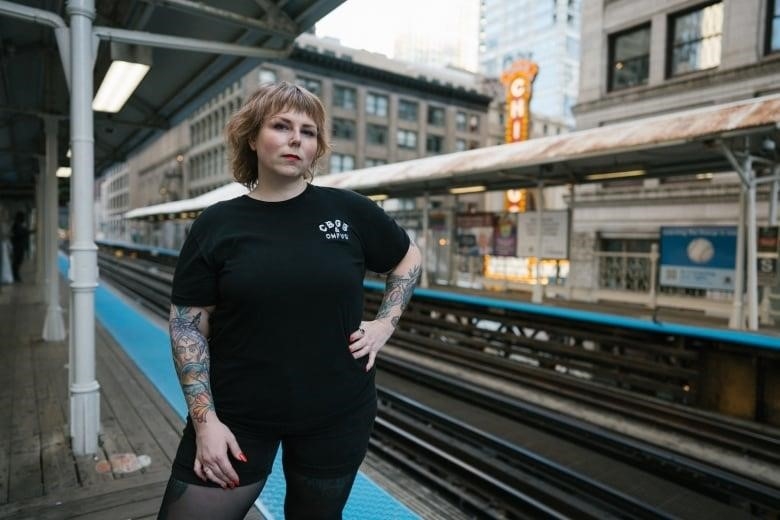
(274, 191)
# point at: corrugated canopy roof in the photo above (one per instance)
(682, 143)
(33, 82)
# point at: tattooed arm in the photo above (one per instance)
(399, 287)
(189, 327)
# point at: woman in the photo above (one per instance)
(266, 323)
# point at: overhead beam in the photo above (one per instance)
(276, 24)
(185, 44)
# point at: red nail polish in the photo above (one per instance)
(242, 457)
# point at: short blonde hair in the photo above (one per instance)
(268, 100)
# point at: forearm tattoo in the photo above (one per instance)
(191, 359)
(398, 292)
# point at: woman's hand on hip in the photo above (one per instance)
(369, 338)
(214, 441)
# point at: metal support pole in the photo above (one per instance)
(538, 293)
(773, 193)
(40, 236)
(426, 231)
(84, 390)
(752, 247)
(53, 326)
(572, 205)
(736, 321)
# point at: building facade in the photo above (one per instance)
(649, 58)
(546, 32)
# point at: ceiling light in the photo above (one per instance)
(378, 197)
(120, 82)
(129, 65)
(467, 189)
(614, 175)
(63, 172)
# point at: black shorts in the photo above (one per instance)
(334, 448)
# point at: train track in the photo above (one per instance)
(511, 482)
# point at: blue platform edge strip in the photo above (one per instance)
(742, 338)
(148, 346)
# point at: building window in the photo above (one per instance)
(436, 116)
(695, 39)
(773, 30)
(434, 144)
(376, 134)
(266, 76)
(376, 104)
(407, 139)
(312, 85)
(473, 123)
(343, 128)
(340, 162)
(460, 121)
(344, 97)
(374, 162)
(460, 144)
(407, 110)
(629, 58)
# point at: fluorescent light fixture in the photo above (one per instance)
(63, 172)
(378, 197)
(467, 189)
(704, 176)
(121, 80)
(68, 153)
(614, 175)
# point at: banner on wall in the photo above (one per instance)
(505, 234)
(555, 234)
(768, 253)
(475, 234)
(698, 257)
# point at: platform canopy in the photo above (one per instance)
(681, 143)
(34, 81)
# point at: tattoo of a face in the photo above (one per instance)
(191, 359)
(398, 292)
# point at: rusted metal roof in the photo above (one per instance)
(672, 144)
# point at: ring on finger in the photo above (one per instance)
(362, 331)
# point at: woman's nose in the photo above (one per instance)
(295, 136)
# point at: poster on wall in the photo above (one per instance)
(505, 235)
(475, 234)
(699, 257)
(555, 234)
(768, 253)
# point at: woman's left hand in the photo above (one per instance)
(369, 338)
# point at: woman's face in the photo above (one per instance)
(286, 144)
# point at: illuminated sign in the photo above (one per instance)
(518, 80)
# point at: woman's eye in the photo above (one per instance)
(310, 133)
(280, 126)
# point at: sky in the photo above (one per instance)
(373, 25)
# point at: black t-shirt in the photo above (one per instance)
(287, 282)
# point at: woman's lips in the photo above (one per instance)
(291, 157)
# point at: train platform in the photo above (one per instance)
(141, 420)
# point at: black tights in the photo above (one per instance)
(307, 498)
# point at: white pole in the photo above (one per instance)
(736, 320)
(773, 192)
(84, 390)
(538, 293)
(53, 326)
(426, 225)
(40, 236)
(752, 248)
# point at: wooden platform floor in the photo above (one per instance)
(40, 478)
